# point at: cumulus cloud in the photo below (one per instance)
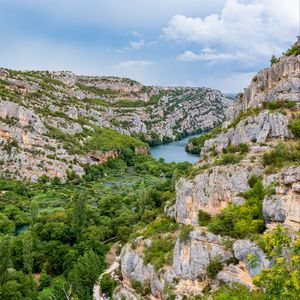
(257, 28)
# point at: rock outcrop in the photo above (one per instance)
(211, 191)
(284, 205)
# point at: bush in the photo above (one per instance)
(203, 217)
(214, 267)
(229, 158)
(185, 233)
(279, 104)
(240, 221)
(160, 253)
(107, 285)
(241, 148)
(281, 155)
(294, 126)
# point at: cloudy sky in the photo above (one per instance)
(214, 43)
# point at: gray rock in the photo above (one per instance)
(192, 257)
(243, 248)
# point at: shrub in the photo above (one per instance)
(229, 158)
(294, 50)
(274, 60)
(241, 148)
(185, 233)
(203, 217)
(240, 221)
(279, 104)
(294, 126)
(160, 253)
(214, 267)
(281, 155)
(107, 285)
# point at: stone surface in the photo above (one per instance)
(191, 258)
(210, 191)
(243, 248)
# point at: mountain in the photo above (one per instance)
(51, 122)
(240, 202)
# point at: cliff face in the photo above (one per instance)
(257, 130)
(48, 119)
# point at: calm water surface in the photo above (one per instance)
(175, 151)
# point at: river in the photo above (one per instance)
(175, 151)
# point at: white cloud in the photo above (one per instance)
(257, 28)
(133, 63)
(136, 45)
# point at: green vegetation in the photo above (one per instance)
(69, 227)
(243, 115)
(279, 104)
(282, 155)
(244, 220)
(294, 126)
(281, 281)
(294, 50)
(107, 285)
(138, 103)
(95, 90)
(274, 60)
(160, 253)
(233, 154)
(214, 267)
(198, 142)
(185, 233)
(203, 217)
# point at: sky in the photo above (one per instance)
(219, 44)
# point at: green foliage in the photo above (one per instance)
(203, 217)
(281, 155)
(241, 221)
(294, 126)
(107, 285)
(95, 90)
(274, 60)
(241, 148)
(279, 104)
(214, 267)
(85, 274)
(198, 142)
(185, 233)
(281, 281)
(294, 50)
(238, 292)
(243, 115)
(160, 253)
(229, 158)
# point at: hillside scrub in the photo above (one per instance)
(244, 220)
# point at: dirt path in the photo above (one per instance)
(113, 264)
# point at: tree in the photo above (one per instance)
(281, 281)
(274, 60)
(28, 252)
(78, 215)
(86, 273)
(107, 285)
(5, 255)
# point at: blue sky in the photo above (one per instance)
(213, 43)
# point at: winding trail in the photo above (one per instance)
(113, 261)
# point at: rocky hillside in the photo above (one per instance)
(226, 210)
(54, 122)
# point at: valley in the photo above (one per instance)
(79, 188)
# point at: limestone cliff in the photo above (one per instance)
(257, 129)
(48, 119)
